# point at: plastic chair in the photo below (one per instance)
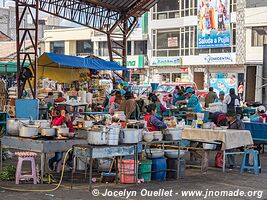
(26, 156)
(256, 162)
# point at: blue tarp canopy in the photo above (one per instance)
(60, 60)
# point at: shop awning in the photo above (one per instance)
(10, 67)
(60, 60)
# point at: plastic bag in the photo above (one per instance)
(219, 159)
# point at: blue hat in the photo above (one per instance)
(125, 84)
(189, 90)
(221, 93)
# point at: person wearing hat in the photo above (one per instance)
(221, 96)
(191, 101)
(260, 115)
(154, 123)
(233, 123)
(125, 87)
(211, 97)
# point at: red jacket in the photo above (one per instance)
(150, 126)
(61, 120)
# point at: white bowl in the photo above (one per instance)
(171, 153)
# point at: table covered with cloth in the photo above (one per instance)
(230, 138)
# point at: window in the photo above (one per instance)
(176, 77)
(129, 48)
(167, 5)
(233, 6)
(168, 9)
(57, 47)
(257, 39)
(166, 78)
(103, 49)
(140, 47)
(84, 47)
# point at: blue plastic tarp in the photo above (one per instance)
(60, 60)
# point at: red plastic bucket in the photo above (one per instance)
(128, 175)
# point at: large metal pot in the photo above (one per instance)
(97, 137)
(129, 136)
(28, 131)
(43, 123)
(13, 125)
(48, 132)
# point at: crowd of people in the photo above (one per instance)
(153, 112)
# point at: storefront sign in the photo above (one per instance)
(213, 24)
(210, 59)
(219, 58)
(165, 61)
(134, 62)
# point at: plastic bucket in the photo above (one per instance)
(154, 86)
(145, 170)
(127, 172)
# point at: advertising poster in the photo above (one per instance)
(213, 24)
(223, 81)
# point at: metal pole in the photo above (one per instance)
(264, 74)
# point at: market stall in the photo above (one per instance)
(78, 78)
(229, 138)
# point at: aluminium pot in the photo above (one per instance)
(48, 132)
(129, 136)
(28, 131)
(97, 137)
(13, 125)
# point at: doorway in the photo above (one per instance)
(250, 84)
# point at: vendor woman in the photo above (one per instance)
(191, 101)
(153, 122)
(63, 118)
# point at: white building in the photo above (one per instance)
(84, 42)
(174, 55)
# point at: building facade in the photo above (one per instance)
(175, 55)
(85, 42)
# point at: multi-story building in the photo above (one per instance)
(175, 54)
(84, 42)
(255, 21)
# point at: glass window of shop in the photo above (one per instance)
(57, 47)
(258, 40)
(140, 47)
(84, 47)
(168, 9)
(166, 77)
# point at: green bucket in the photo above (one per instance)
(145, 170)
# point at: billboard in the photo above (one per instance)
(213, 29)
(223, 81)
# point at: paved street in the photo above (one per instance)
(212, 181)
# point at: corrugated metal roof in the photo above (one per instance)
(139, 6)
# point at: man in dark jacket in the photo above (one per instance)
(233, 123)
